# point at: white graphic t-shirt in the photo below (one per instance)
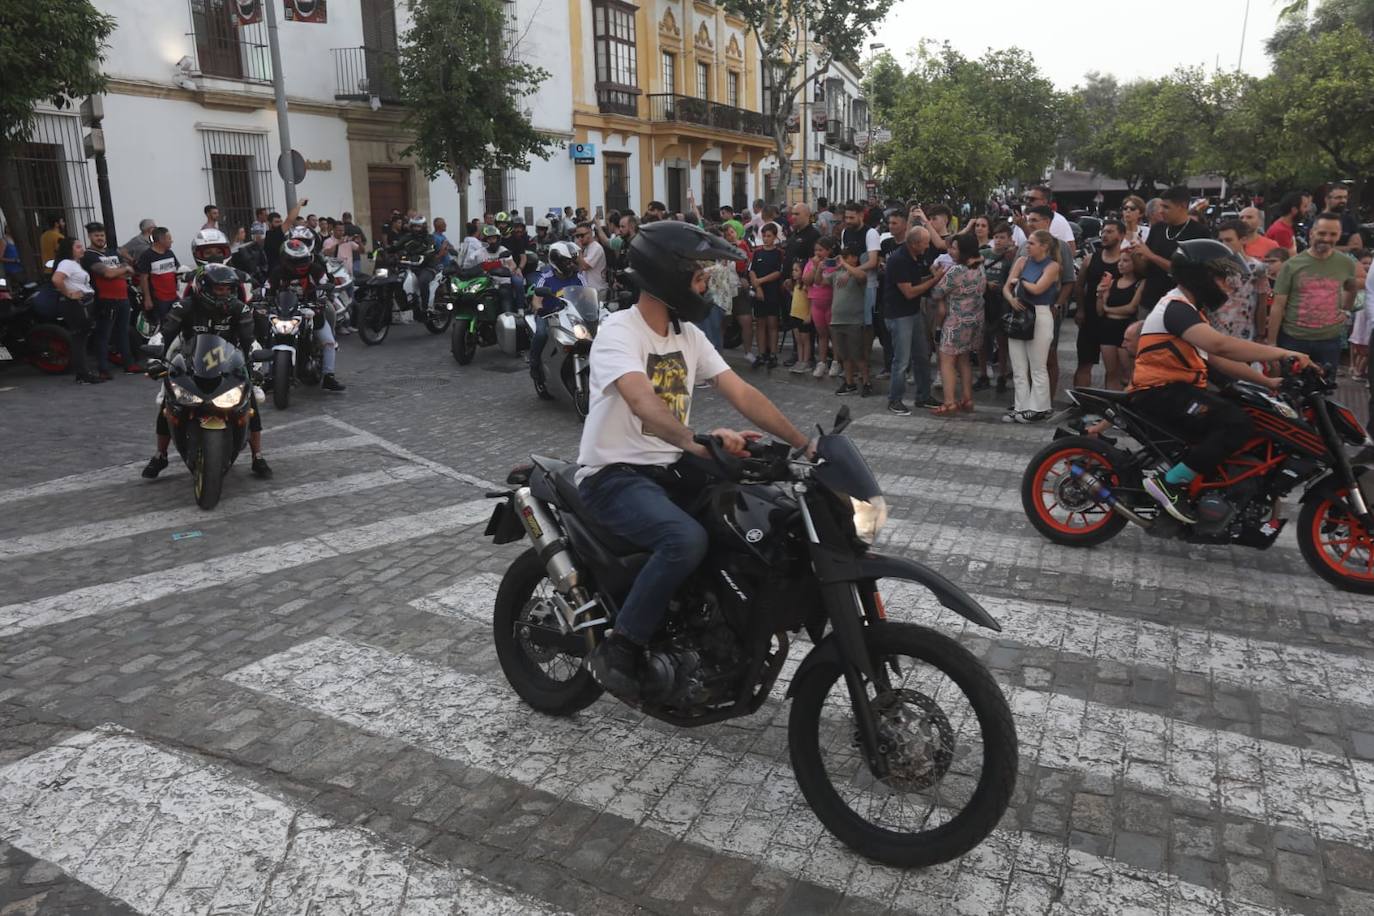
(625, 343)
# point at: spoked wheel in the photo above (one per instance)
(1335, 543)
(945, 734)
(438, 318)
(1062, 505)
(543, 665)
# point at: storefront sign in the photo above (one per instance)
(320, 165)
(582, 153)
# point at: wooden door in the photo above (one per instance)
(387, 189)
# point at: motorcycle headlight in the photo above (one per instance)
(285, 325)
(481, 307)
(564, 337)
(581, 333)
(869, 517)
(229, 399)
(187, 398)
(381, 273)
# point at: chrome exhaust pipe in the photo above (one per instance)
(578, 610)
(1103, 494)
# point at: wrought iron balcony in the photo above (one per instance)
(688, 109)
(612, 98)
(361, 74)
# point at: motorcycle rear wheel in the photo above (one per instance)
(815, 729)
(50, 348)
(521, 603)
(281, 379)
(1335, 544)
(1045, 484)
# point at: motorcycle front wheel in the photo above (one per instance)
(541, 664)
(1337, 545)
(373, 319)
(438, 318)
(212, 462)
(947, 738)
(464, 342)
(281, 379)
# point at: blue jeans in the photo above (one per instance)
(639, 510)
(1325, 353)
(710, 326)
(517, 285)
(112, 325)
(909, 345)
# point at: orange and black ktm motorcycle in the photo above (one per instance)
(1087, 485)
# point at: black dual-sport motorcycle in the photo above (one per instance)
(1081, 490)
(900, 740)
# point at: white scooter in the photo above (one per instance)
(564, 358)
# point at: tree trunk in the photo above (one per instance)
(784, 161)
(463, 180)
(13, 212)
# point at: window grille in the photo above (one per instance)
(238, 175)
(49, 171)
(225, 49)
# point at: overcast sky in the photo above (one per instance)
(1129, 40)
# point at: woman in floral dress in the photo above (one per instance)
(960, 294)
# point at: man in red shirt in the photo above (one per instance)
(157, 274)
(1256, 244)
(1283, 229)
(110, 278)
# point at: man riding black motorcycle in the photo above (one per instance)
(645, 364)
(251, 259)
(299, 264)
(213, 307)
(417, 244)
(1177, 348)
(560, 273)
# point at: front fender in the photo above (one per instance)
(882, 566)
(1331, 481)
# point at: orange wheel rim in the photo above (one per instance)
(1342, 542)
(1062, 502)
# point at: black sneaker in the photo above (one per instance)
(260, 468)
(845, 389)
(930, 403)
(1034, 416)
(898, 408)
(772, 361)
(866, 391)
(156, 465)
(330, 383)
(1170, 498)
(615, 664)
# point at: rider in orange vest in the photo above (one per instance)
(1178, 347)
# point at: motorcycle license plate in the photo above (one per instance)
(5, 354)
(212, 423)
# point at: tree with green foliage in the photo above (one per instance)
(49, 52)
(1150, 137)
(463, 90)
(837, 30)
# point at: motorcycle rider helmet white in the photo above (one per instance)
(417, 222)
(210, 246)
(296, 255)
(563, 259)
(542, 223)
(304, 235)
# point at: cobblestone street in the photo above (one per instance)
(292, 703)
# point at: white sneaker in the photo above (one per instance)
(800, 368)
(821, 369)
(836, 369)
(753, 359)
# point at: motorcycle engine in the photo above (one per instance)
(1226, 514)
(698, 636)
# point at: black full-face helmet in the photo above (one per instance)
(1198, 264)
(665, 255)
(216, 286)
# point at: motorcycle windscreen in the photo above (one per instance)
(214, 357)
(843, 469)
(584, 300)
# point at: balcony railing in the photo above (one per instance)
(612, 98)
(361, 74)
(688, 109)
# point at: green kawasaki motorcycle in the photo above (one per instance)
(476, 297)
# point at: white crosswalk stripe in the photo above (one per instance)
(233, 505)
(109, 597)
(747, 804)
(168, 833)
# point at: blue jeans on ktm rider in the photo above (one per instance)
(909, 345)
(639, 510)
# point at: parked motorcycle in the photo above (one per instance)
(1082, 490)
(476, 298)
(297, 353)
(900, 740)
(207, 397)
(567, 372)
(31, 329)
